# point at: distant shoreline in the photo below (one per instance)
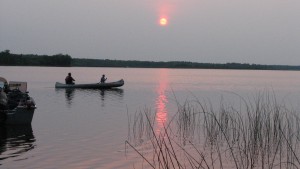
(61, 60)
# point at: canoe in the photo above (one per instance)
(91, 85)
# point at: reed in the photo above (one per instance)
(140, 125)
(258, 133)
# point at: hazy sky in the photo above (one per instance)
(209, 31)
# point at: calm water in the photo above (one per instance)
(88, 128)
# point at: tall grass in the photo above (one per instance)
(258, 133)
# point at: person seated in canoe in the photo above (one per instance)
(69, 79)
(103, 79)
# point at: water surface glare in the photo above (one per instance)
(87, 128)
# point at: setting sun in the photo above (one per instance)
(163, 21)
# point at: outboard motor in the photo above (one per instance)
(14, 98)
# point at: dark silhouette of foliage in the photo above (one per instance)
(175, 64)
(9, 59)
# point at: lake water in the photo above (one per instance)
(88, 128)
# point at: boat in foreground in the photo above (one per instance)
(16, 106)
(91, 85)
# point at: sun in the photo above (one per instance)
(163, 21)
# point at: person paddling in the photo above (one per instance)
(103, 79)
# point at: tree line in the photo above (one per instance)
(76, 62)
(9, 59)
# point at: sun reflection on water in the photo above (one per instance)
(161, 100)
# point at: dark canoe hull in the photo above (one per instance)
(91, 85)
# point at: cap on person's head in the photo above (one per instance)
(69, 73)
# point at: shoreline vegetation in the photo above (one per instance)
(259, 132)
(65, 60)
